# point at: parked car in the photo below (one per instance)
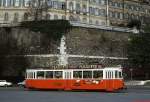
(22, 84)
(5, 83)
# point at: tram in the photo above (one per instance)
(98, 79)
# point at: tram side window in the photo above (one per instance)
(98, 74)
(120, 75)
(30, 74)
(77, 74)
(40, 74)
(49, 74)
(116, 74)
(58, 74)
(87, 74)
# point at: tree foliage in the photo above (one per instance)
(53, 29)
(9, 48)
(134, 23)
(139, 50)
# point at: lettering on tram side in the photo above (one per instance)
(76, 67)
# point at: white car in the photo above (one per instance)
(21, 83)
(5, 83)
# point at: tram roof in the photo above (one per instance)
(60, 69)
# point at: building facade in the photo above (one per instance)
(94, 12)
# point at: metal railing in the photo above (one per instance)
(113, 28)
(78, 24)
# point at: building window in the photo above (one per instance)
(49, 3)
(60, 5)
(121, 15)
(103, 12)
(55, 17)
(97, 22)
(120, 5)
(6, 3)
(71, 6)
(116, 4)
(64, 17)
(26, 3)
(142, 19)
(102, 2)
(6, 17)
(78, 8)
(137, 17)
(16, 16)
(84, 9)
(25, 16)
(96, 1)
(48, 16)
(91, 10)
(90, 21)
(103, 23)
(71, 18)
(133, 16)
(116, 14)
(55, 4)
(126, 16)
(16, 3)
(78, 19)
(96, 11)
(137, 8)
(63, 5)
(110, 14)
(84, 20)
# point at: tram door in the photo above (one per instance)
(109, 77)
(68, 76)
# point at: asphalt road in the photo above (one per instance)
(132, 94)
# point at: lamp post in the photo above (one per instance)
(131, 74)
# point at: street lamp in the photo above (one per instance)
(131, 74)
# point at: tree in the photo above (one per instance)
(139, 50)
(9, 62)
(134, 23)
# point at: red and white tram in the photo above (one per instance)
(108, 79)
